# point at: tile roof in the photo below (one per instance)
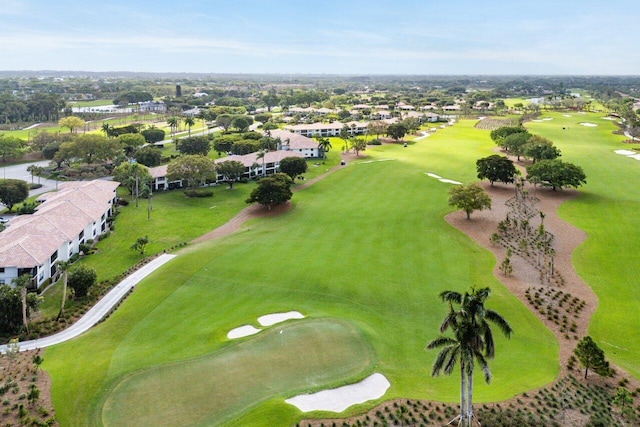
(30, 240)
(296, 141)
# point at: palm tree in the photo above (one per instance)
(473, 341)
(173, 124)
(22, 282)
(63, 266)
(189, 121)
(107, 129)
(260, 155)
(325, 145)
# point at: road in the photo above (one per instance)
(98, 311)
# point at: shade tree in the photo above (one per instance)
(469, 198)
(71, 122)
(556, 174)
(397, 131)
(272, 190)
(496, 168)
(80, 279)
(539, 148)
(195, 145)
(231, 171)
(293, 166)
(195, 170)
(592, 357)
(13, 191)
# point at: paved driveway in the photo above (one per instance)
(98, 311)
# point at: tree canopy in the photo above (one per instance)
(272, 190)
(396, 131)
(231, 170)
(469, 198)
(80, 279)
(515, 143)
(132, 174)
(195, 145)
(193, 169)
(496, 168)
(539, 148)
(71, 122)
(10, 147)
(591, 357)
(497, 135)
(153, 135)
(556, 174)
(149, 156)
(131, 141)
(293, 166)
(13, 191)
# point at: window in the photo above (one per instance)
(81, 235)
(54, 256)
(1, 269)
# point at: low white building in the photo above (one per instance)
(298, 143)
(77, 212)
(328, 129)
(257, 167)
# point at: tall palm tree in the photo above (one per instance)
(260, 155)
(189, 121)
(472, 342)
(107, 129)
(63, 266)
(22, 282)
(325, 145)
(173, 124)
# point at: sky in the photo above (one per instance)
(495, 37)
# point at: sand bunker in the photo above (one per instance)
(567, 115)
(242, 331)
(339, 399)
(272, 319)
(441, 179)
(625, 152)
(591, 125)
(536, 120)
(546, 119)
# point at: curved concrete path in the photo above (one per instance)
(98, 311)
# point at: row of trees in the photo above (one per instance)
(546, 169)
(40, 107)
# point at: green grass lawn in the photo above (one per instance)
(367, 247)
(255, 369)
(606, 210)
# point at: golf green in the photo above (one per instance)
(214, 387)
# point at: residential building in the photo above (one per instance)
(77, 212)
(294, 142)
(257, 167)
(328, 129)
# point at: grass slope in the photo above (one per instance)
(606, 210)
(367, 245)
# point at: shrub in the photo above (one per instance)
(374, 142)
(81, 279)
(198, 193)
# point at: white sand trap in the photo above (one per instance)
(587, 124)
(339, 399)
(536, 120)
(625, 152)
(635, 156)
(373, 161)
(567, 115)
(450, 181)
(546, 119)
(272, 319)
(610, 118)
(433, 175)
(242, 331)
